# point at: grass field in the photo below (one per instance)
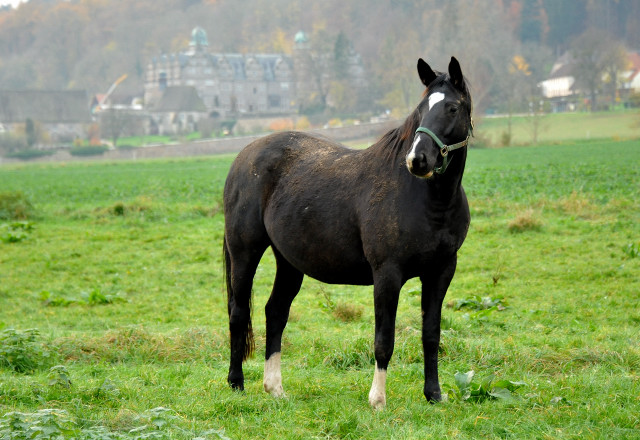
(563, 127)
(113, 315)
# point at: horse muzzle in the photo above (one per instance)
(421, 160)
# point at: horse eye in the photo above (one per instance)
(453, 110)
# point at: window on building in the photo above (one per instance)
(273, 101)
(162, 80)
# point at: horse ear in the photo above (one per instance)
(455, 73)
(427, 75)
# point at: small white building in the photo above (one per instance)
(631, 77)
(560, 88)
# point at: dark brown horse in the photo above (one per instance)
(380, 216)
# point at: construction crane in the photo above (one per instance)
(111, 89)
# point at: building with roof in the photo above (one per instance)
(560, 86)
(64, 115)
(227, 83)
(631, 76)
(233, 84)
(179, 110)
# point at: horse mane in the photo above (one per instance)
(392, 142)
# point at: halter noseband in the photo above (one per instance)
(445, 149)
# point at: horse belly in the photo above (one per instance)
(321, 247)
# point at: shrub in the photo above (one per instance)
(29, 153)
(505, 139)
(468, 390)
(10, 142)
(15, 232)
(20, 351)
(303, 123)
(14, 205)
(281, 124)
(91, 150)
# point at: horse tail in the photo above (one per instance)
(249, 342)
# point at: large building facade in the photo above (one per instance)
(232, 84)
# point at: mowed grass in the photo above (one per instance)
(121, 275)
(562, 127)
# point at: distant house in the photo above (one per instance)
(178, 110)
(560, 88)
(64, 115)
(631, 77)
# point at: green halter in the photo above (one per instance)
(445, 149)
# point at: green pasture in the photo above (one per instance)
(113, 313)
(561, 127)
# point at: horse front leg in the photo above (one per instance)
(434, 289)
(386, 289)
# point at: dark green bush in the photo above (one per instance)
(29, 154)
(91, 150)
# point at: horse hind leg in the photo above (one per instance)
(240, 267)
(285, 288)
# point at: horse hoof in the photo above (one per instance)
(275, 391)
(236, 384)
(377, 400)
(378, 405)
(433, 396)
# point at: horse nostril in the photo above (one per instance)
(420, 161)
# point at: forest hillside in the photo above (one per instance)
(88, 44)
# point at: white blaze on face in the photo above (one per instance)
(272, 376)
(377, 395)
(412, 153)
(435, 98)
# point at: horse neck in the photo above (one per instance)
(447, 187)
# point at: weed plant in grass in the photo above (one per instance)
(121, 276)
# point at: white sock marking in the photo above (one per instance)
(377, 395)
(435, 98)
(272, 376)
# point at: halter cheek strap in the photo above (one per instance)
(445, 149)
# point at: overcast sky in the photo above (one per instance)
(13, 3)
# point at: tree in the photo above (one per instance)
(596, 52)
(515, 90)
(30, 133)
(534, 22)
(115, 122)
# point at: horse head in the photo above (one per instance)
(445, 120)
